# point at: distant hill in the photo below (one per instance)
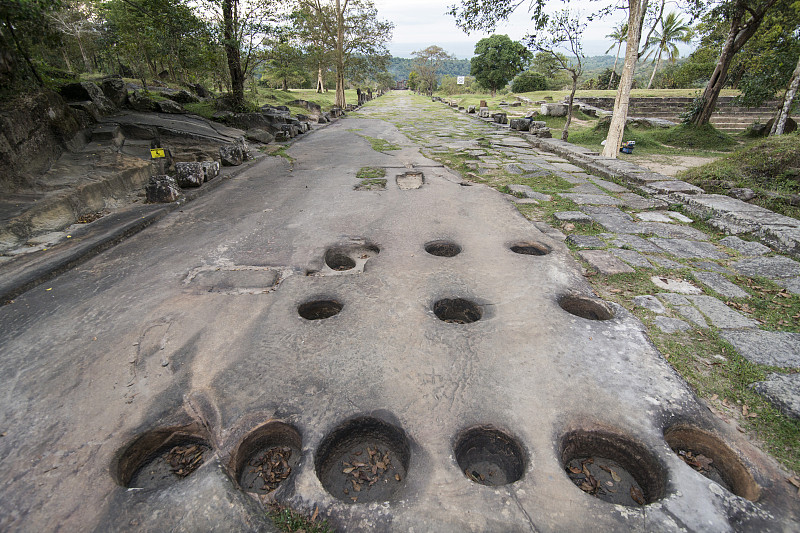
(401, 67)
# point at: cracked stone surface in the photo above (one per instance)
(117, 348)
(782, 391)
(774, 348)
(719, 314)
(719, 283)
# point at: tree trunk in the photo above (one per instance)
(653, 75)
(320, 84)
(636, 11)
(780, 122)
(86, 63)
(614, 71)
(739, 33)
(565, 131)
(66, 59)
(340, 99)
(232, 53)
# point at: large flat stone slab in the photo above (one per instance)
(687, 249)
(745, 247)
(773, 348)
(591, 199)
(720, 284)
(782, 391)
(720, 314)
(632, 257)
(604, 262)
(768, 267)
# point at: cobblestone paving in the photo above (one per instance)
(737, 294)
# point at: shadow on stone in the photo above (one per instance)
(585, 307)
(709, 456)
(489, 456)
(266, 457)
(443, 248)
(319, 309)
(457, 311)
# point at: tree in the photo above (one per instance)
(620, 34)
(780, 121)
(285, 62)
(497, 60)
(426, 64)
(563, 32)
(484, 15)
(351, 30)
(528, 82)
(413, 81)
(76, 20)
(22, 23)
(672, 30)
(742, 17)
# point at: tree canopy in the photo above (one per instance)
(497, 60)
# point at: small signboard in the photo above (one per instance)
(155, 153)
(461, 80)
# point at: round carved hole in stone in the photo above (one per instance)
(266, 457)
(319, 309)
(160, 458)
(339, 261)
(443, 248)
(489, 456)
(363, 460)
(530, 248)
(612, 468)
(585, 307)
(457, 311)
(708, 455)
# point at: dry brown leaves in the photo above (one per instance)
(183, 460)
(699, 462)
(366, 470)
(272, 466)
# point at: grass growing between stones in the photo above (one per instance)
(366, 173)
(281, 152)
(381, 145)
(290, 521)
(712, 368)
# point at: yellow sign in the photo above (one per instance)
(157, 152)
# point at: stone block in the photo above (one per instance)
(720, 314)
(189, 174)
(554, 110)
(782, 391)
(768, 267)
(585, 241)
(720, 284)
(572, 216)
(745, 247)
(648, 301)
(210, 170)
(162, 189)
(671, 325)
(604, 262)
(773, 348)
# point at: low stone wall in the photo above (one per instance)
(727, 117)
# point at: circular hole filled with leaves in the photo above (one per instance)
(612, 468)
(161, 457)
(457, 311)
(709, 456)
(529, 248)
(363, 460)
(443, 248)
(266, 457)
(319, 309)
(585, 307)
(489, 456)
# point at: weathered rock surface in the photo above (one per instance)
(162, 189)
(189, 174)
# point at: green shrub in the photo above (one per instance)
(528, 82)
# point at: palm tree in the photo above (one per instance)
(620, 35)
(673, 30)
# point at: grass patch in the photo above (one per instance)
(705, 137)
(366, 173)
(372, 184)
(204, 109)
(291, 521)
(281, 152)
(381, 145)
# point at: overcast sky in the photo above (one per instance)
(421, 23)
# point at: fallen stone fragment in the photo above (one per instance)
(774, 348)
(168, 106)
(720, 284)
(742, 193)
(671, 325)
(162, 189)
(529, 193)
(679, 216)
(745, 247)
(637, 243)
(653, 216)
(782, 391)
(720, 314)
(675, 285)
(604, 262)
(648, 301)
